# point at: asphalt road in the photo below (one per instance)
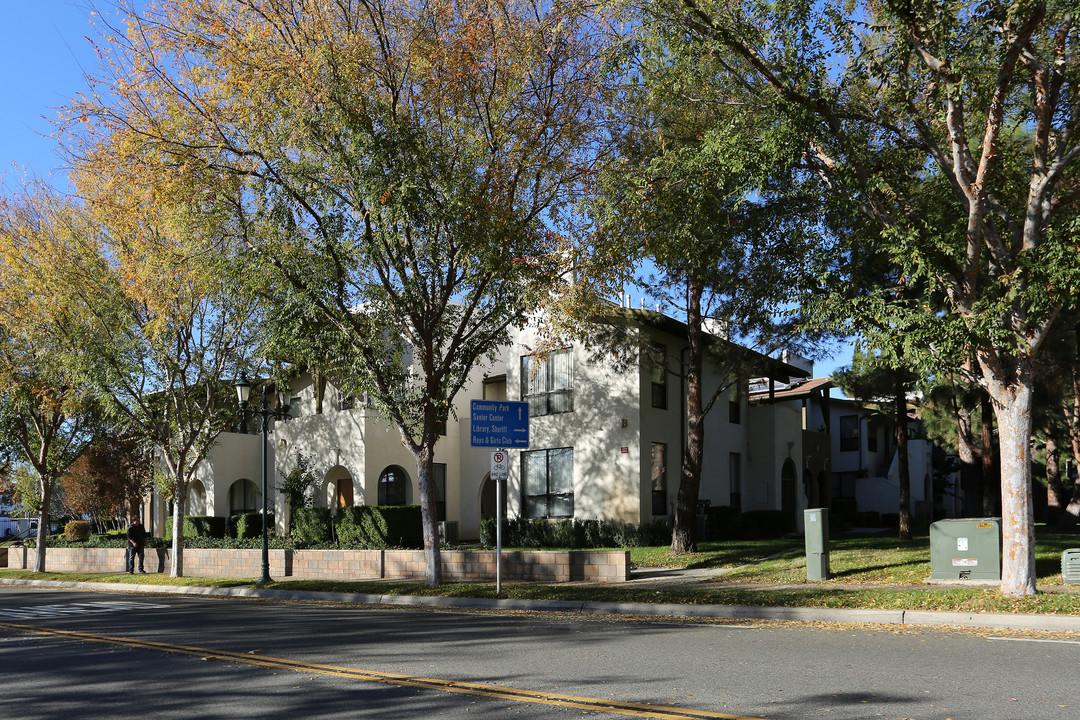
(68, 654)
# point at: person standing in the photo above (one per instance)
(136, 537)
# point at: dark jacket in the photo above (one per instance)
(136, 534)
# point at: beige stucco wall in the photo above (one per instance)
(606, 418)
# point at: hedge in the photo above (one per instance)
(576, 534)
(249, 525)
(199, 526)
(312, 526)
(380, 527)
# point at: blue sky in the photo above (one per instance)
(43, 60)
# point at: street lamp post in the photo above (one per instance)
(281, 412)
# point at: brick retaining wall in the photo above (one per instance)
(462, 565)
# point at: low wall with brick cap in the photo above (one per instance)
(463, 565)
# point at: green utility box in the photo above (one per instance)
(1070, 566)
(816, 531)
(965, 549)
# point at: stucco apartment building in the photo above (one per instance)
(605, 442)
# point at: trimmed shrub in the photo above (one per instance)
(77, 531)
(380, 527)
(487, 532)
(763, 524)
(249, 525)
(199, 526)
(842, 513)
(723, 522)
(575, 534)
(566, 533)
(312, 526)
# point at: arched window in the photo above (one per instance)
(244, 497)
(196, 498)
(393, 486)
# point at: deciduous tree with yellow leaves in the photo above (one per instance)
(398, 164)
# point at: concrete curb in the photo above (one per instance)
(1003, 621)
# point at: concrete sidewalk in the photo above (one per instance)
(1006, 621)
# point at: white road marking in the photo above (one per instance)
(1038, 640)
(90, 608)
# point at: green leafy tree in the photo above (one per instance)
(142, 299)
(47, 417)
(701, 186)
(108, 480)
(874, 379)
(899, 101)
(400, 172)
(299, 485)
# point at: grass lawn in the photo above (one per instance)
(888, 575)
(858, 559)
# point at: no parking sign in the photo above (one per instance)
(500, 465)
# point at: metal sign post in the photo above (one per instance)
(499, 424)
(500, 471)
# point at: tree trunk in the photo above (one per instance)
(432, 553)
(43, 520)
(1057, 496)
(970, 472)
(425, 458)
(684, 525)
(991, 481)
(176, 565)
(1012, 404)
(1069, 518)
(902, 464)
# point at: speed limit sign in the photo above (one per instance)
(500, 465)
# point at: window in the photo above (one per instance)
(658, 371)
(659, 479)
(392, 486)
(438, 477)
(849, 433)
(735, 474)
(871, 439)
(244, 497)
(547, 384)
(548, 483)
(735, 405)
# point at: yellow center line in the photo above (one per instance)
(467, 688)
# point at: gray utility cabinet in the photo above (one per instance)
(816, 531)
(1070, 566)
(965, 549)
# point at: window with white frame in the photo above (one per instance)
(547, 383)
(547, 482)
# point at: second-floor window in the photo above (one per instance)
(658, 373)
(547, 383)
(849, 433)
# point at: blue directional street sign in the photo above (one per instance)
(499, 424)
